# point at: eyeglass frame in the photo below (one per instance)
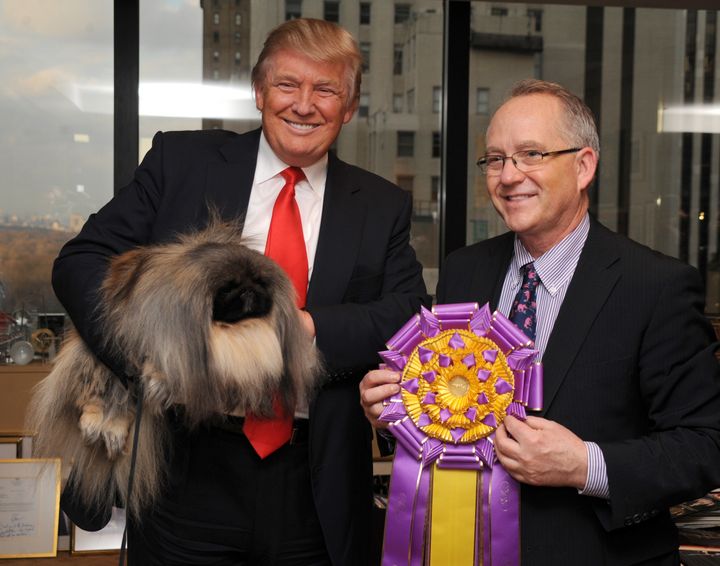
(482, 162)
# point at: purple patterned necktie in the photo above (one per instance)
(524, 307)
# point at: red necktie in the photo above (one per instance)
(285, 245)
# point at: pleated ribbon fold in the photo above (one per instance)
(451, 502)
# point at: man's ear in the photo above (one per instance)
(351, 109)
(259, 96)
(586, 164)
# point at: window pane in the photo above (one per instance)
(364, 13)
(56, 71)
(205, 93)
(650, 76)
(402, 13)
(405, 144)
(331, 11)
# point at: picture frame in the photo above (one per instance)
(10, 447)
(29, 507)
(105, 541)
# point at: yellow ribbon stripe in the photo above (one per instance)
(453, 520)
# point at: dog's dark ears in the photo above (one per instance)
(238, 300)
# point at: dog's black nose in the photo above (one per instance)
(235, 301)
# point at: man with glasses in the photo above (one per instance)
(631, 418)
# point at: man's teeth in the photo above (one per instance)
(302, 126)
(518, 197)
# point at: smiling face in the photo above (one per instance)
(304, 104)
(544, 205)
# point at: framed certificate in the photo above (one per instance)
(106, 540)
(29, 507)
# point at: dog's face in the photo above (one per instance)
(210, 323)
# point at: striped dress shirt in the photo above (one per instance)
(555, 269)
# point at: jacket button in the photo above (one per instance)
(636, 518)
(628, 521)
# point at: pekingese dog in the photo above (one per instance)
(203, 323)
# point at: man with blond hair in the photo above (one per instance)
(631, 416)
(306, 499)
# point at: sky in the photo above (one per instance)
(56, 76)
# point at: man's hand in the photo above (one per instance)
(307, 322)
(376, 386)
(541, 452)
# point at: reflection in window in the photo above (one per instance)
(398, 103)
(498, 11)
(482, 100)
(436, 99)
(216, 18)
(402, 13)
(364, 13)
(405, 182)
(365, 52)
(238, 19)
(55, 149)
(364, 105)
(535, 15)
(411, 101)
(293, 9)
(436, 144)
(398, 59)
(405, 143)
(331, 11)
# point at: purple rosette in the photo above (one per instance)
(463, 370)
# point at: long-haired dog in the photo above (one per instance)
(205, 324)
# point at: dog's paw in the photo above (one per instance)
(91, 421)
(115, 435)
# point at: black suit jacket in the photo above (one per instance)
(629, 365)
(365, 284)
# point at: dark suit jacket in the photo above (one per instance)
(365, 284)
(629, 365)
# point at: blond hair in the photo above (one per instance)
(321, 41)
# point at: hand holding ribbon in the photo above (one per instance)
(541, 452)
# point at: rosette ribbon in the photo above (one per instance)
(451, 502)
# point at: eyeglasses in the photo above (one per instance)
(526, 160)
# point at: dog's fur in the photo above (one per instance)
(205, 324)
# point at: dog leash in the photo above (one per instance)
(133, 458)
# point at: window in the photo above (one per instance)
(216, 18)
(365, 52)
(405, 182)
(331, 11)
(397, 59)
(216, 75)
(293, 9)
(216, 55)
(411, 101)
(364, 106)
(482, 100)
(402, 13)
(434, 188)
(237, 37)
(238, 19)
(436, 144)
(405, 144)
(535, 16)
(398, 103)
(498, 11)
(364, 13)
(216, 37)
(238, 57)
(436, 99)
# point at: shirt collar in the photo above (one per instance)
(557, 265)
(270, 165)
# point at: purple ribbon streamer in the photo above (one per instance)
(498, 524)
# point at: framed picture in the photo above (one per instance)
(29, 507)
(10, 447)
(106, 540)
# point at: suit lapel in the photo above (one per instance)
(596, 274)
(341, 229)
(229, 181)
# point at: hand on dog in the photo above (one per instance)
(307, 322)
(541, 452)
(375, 387)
